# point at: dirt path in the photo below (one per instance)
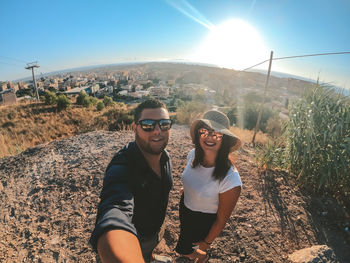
(49, 194)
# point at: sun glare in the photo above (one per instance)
(232, 44)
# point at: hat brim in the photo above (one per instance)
(218, 128)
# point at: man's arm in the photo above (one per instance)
(114, 236)
(119, 246)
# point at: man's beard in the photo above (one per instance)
(148, 148)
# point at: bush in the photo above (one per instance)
(81, 97)
(319, 140)
(100, 106)
(250, 116)
(189, 111)
(50, 98)
(93, 100)
(63, 102)
(86, 102)
(232, 115)
(118, 118)
(274, 126)
(108, 101)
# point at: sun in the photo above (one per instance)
(232, 44)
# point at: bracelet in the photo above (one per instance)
(207, 242)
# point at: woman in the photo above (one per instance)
(211, 185)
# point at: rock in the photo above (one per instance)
(319, 253)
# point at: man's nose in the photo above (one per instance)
(157, 128)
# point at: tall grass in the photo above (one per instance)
(316, 143)
(319, 139)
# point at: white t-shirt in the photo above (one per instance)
(202, 190)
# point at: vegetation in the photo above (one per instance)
(315, 144)
(63, 102)
(189, 111)
(100, 106)
(50, 98)
(250, 115)
(28, 124)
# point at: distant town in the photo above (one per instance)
(165, 81)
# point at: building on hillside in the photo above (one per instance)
(88, 89)
(159, 92)
(8, 97)
(3, 86)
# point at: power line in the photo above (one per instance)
(313, 55)
(255, 65)
(300, 56)
(19, 60)
(10, 64)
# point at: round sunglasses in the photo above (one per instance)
(149, 125)
(203, 132)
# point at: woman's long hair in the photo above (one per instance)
(223, 161)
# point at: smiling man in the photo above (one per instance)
(136, 186)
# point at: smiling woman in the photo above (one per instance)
(232, 44)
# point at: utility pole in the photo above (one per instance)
(263, 102)
(33, 65)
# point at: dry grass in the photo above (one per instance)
(246, 136)
(28, 124)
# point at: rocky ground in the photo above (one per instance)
(49, 195)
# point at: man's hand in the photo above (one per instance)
(116, 246)
(202, 245)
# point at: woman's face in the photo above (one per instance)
(209, 140)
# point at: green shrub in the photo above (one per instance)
(81, 97)
(189, 111)
(93, 100)
(50, 98)
(86, 102)
(118, 118)
(62, 102)
(232, 115)
(108, 101)
(274, 126)
(319, 140)
(272, 154)
(100, 106)
(251, 113)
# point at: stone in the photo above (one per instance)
(318, 253)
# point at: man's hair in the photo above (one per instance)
(147, 104)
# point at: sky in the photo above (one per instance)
(234, 34)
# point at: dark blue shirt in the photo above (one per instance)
(133, 198)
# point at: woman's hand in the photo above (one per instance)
(202, 245)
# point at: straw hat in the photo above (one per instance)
(219, 122)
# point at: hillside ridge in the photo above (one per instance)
(49, 195)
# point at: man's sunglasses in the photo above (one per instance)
(149, 125)
(203, 132)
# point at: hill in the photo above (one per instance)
(49, 195)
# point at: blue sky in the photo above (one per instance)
(67, 34)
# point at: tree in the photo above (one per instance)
(81, 97)
(100, 106)
(108, 101)
(232, 115)
(63, 102)
(50, 98)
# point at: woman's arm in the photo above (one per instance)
(227, 202)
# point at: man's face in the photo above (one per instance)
(152, 142)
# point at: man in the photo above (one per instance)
(135, 191)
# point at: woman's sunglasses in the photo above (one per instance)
(203, 132)
(149, 125)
